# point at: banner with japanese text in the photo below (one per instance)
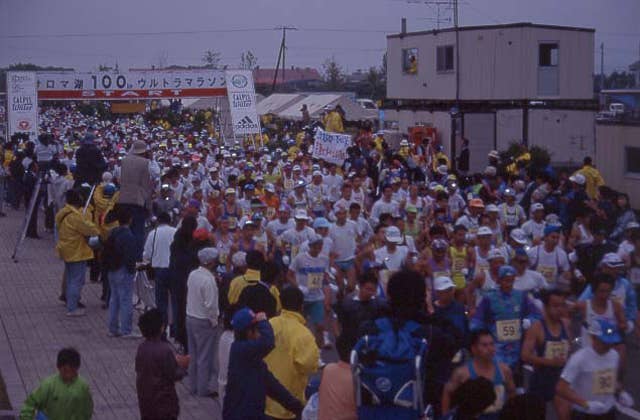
(22, 103)
(135, 84)
(331, 147)
(242, 102)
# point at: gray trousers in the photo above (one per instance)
(203, 349)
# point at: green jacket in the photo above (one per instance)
(59, 401)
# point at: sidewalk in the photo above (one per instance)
(33, 327)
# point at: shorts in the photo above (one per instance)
(314, 311)
(345, 265)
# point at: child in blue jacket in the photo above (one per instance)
(249, 380)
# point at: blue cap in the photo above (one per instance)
(605, 330)
(249, 187)
(108, 190)
(243, 319)
(321, 222)
(506, 271)
(550, 228)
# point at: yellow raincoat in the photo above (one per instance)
(593, 180)
(333, 122)
(293, 360)
(74, 229)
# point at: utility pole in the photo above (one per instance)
(282, 54)
(601, 66)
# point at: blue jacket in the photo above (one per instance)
(498, 311)
(250, 381)
(622, 291)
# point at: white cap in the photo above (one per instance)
(317, 173)
(207, 255)
(612, 260)
(393, 235)
(442, 169)
(484, 230)
(315, 238)
(536, 207)
(578, 179)
(490, 170)
(297, 168)
(494, 254)
(492, 208)
(269, 187)
(301, 214)
(519, 236)
(443, 283)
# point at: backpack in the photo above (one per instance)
(388, 371)
(112, 258)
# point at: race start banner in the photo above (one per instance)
(135, 84)
(22, 103)
(331, 147)
(242, 102)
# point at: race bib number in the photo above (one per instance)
(314, 280)
(556, 349)
(288, 184)
(604, 382)
(508, 330)
(548, 273)
(498, 402)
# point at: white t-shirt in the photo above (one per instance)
(592, 376)
(625, 248)
(344, 240)
(327, 245)
(550, 264)
(533, 229)
(277, 228)
(380, 207)
(309, 273)
(530, 280)
(392, 261)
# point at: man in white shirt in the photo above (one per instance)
(534, 228)
(392, 256)
(157, 252)
(344, 234)
(384, 205)
(589, 379)
(550, 260)
(202, 322)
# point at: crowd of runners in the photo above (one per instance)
(519, 281)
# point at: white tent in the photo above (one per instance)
(277, 102)
(317, 103)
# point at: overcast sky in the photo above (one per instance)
(351, 30)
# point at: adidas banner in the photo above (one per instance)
(331, 147)
(242, 102)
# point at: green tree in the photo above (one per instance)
(333, 74)
(211, 59)
(375, 83)
(248, 60)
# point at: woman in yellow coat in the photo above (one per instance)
(74, 229)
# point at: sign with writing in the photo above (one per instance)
(139, 84)
(22, 102)
(331, 147)
(242, 102)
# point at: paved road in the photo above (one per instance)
(33, 327)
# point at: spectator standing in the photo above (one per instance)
(90, 163)
(202, 320)
(135, 190)
(74, 229)
(121, 265)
